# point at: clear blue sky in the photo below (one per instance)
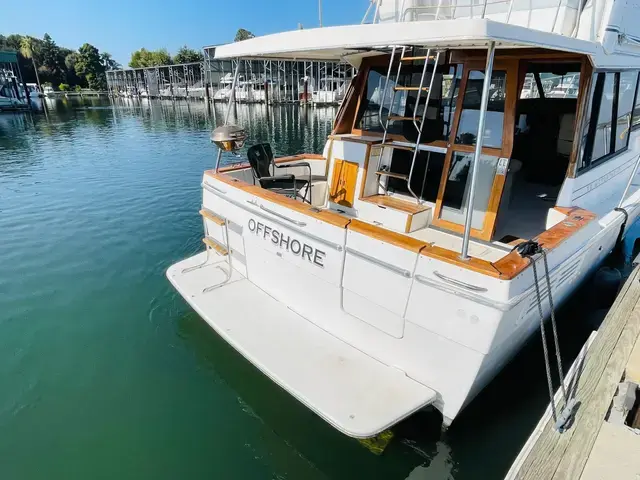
(120, 27)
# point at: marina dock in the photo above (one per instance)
(260, 81)
(602, 439)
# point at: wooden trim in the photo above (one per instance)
(215, 246)
(365, 171)
(394, 238)
(452, 135)
(449, 256)
(513, 264)
(584, 93)
(506, 268)
(343, 182)
(304, 208)
(209, 215)
(328, 162)
(354, 139)
(396, 204)
(234, 182)
(349, 109)
(290, 158)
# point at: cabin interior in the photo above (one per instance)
(527, 151)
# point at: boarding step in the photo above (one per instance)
(356, 394)
(393, 118)
(411, 59)
(215, 245)
(396, 214)
(209, 215)
(411, 146)
(386, 173)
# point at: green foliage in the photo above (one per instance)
(150, 58)
(63, 87)
(108, 61)
(89, 65)
(44, 59)
(51, 62)
(47, 84)
(188, 55)
(78, 88)
(243, 34)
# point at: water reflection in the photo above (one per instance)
(116, 188)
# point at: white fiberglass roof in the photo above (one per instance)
(337, 43)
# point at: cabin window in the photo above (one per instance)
(442, 102)
(607, 131)
(626, 95)
(425, 179)
(494, 120)
(456, 192)
(602, 136)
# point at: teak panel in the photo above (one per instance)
(396, 204)
(304, 208)
(343, 182)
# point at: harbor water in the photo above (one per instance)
(105, 372)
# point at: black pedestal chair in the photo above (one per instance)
(264, 167)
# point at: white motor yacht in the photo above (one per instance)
(395, 270)
(330, 91)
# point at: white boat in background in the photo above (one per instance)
(309, 83)
(9, 98)
(564, 87)
(224, 90)
(330, 91)
(380, 277)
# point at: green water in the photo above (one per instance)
(106, 373)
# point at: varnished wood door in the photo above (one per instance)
(343, 182)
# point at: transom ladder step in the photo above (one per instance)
(209, 215)
(213, 243)
(410, 89)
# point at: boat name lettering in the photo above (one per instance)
(283, 240)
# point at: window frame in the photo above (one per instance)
(635, 104)
(383, 61)
(597, 88)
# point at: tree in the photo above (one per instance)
(108, 61)
(64, 87)
(243, 34)
(150, 58)
(89, 65)
(51, 60)
(188, 55)
(27, 51)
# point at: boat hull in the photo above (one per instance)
(389, 303)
